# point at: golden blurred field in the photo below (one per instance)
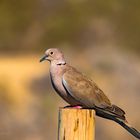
(28, 103)
(100, 38)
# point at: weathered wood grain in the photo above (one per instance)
(76, 124)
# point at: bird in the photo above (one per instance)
(79, 91)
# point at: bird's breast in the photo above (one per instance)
(57, 84)
(56, 81)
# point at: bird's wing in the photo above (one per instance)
(84, 90)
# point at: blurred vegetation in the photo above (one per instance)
(32, 25)
(28, 105)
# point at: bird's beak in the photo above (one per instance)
(43, 58)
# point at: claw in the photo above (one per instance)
(77, 107)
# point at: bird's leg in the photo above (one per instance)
(77, 107)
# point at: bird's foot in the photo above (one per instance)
(77, 107)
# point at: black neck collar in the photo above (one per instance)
(61, 64)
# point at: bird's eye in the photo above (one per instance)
(51, 53)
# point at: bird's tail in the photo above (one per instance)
(129, 128)
(122, 122)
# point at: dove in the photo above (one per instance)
(81, 92)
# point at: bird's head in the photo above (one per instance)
(53, 55)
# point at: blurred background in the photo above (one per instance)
(103, 36)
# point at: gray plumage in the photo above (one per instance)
(78, 90)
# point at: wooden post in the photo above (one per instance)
(76, 124)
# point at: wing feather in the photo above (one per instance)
(84, 90)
